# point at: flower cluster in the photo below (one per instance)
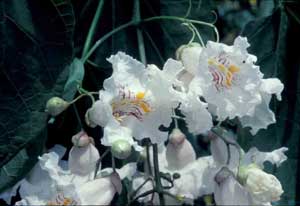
(203, 86)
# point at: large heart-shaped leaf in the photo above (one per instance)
(36, 45)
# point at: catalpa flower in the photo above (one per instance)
(228, 79)
(136, 97)
(57, 182)
(242, 181)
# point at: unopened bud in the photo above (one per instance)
(81, 139)
(88, 120)
(121, 149)
(186, 48)
(56, 105)
(177, 137)
(189, 55)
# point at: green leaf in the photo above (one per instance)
(76, 74)
(35, 48)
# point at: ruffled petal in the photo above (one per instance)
(190, 55)
(229, 79)
(197, 117)
(275, 157)
(263, 116)
(272, 86)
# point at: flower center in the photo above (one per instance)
(130, 104)
(223, 72)
(62, 200)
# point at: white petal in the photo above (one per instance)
(113, 132)
(219, 151)
(126, 71)
(171, 69)
(190, 57)
(261, 118)
(9, 193)
(275, 157)
(97, 192)
(193, 179)
(100, 113)
(137, 182)
(82, 160)
(229, 79)
(50, 163)
(272, 86)
(230, 192)
(197, 117)
(127, 170)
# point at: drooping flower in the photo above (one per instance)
(137, 97)
(52, 182)
(242, 181)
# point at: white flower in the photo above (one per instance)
(263, 116)
(229, 79)
(262, 186)
(137, 97)
(52, 183)
(238, 182)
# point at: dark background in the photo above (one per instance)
(39, 39)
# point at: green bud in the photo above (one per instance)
(56, 105)
(121, 149)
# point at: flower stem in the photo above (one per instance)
(158, 185)
(137, 18)
(148, 159)
(135, 23)
(99, 162)
(105, 37)
(92, 29)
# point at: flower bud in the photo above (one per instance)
(189, 55)
(83, 158)
(121, 149)
(176, 137)
(264, 187)
(98, 114)
(56, 105)
(81, 139)
(88, 120)
(179, 151)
